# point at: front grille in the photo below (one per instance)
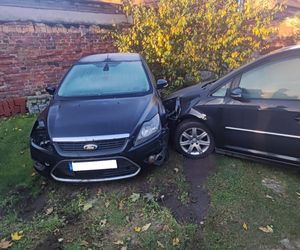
(103, 145)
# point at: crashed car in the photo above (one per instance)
(253, 112)
(105, 122)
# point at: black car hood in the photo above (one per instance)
(76, 118)
(191, 91)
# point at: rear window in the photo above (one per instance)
(105, 78)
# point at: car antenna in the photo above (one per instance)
(106, 67)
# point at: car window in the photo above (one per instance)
(105, 78)
(276, 80)
(221, 92)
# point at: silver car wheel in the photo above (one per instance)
(194, 141)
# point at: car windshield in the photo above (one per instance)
(105, 78)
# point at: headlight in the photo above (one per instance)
(149, 129)
(39, 135)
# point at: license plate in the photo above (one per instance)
(93, 165)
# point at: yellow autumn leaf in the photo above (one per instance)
(245, 226)
(17, 236)
(137, 229)
(176, 241)
(267, 229)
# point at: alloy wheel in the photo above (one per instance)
(194, 141)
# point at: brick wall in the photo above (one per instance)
(33, 56)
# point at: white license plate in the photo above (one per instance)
(94, 165)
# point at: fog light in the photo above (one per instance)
(151, 159)
(39, 166)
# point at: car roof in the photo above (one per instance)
(111, 57)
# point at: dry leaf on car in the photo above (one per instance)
(146, 227)
(267, 229)
(5, 244)
(16, 236)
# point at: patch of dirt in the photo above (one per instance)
(196, 172)
(275, 185)
(28, 206)
(286, 244)
(50, 243)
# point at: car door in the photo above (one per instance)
(266, 120)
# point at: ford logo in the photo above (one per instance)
(90, 147)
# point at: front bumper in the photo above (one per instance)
(130, 161)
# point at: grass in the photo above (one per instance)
(238, 197)
(15, 163)
(105, 215)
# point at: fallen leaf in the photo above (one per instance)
(160, 244)
(245, 226)
(5, 244)
(176, 170)
(298, 193)
(60, 240)
(270, 197)
(121, 204)
(106, 204)
(149, 197)
(137, 229)
(16, 236)
(33, 174)
(166, 228)
(49, 210)
(267, 229)
(146, 227)
(123, 248)
(118, 242)
(103, 223)
(134, 197)
(84, 243)
(175, 242)
(87, 206)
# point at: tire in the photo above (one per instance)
(193, 139)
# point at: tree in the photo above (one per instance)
(180, 38)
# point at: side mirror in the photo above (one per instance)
(50, 90)
(161, 83)
(236, 94)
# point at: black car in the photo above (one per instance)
(253, 111)
(105, 122)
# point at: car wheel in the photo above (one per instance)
(193, 139)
